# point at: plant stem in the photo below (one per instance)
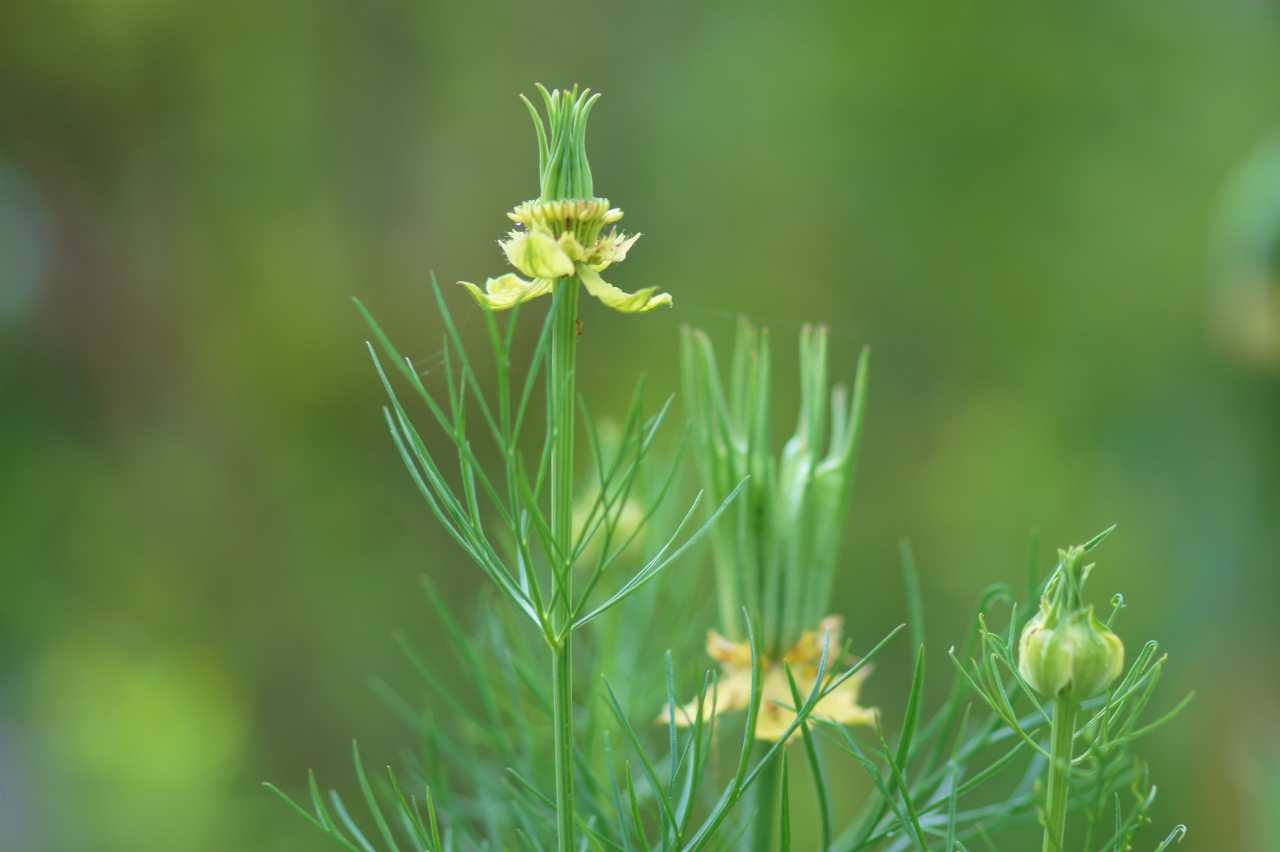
(560, 394)
(766, 803)
(1064, 728)
(562, 696)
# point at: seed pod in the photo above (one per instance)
(1064, 649)
(1078, 656)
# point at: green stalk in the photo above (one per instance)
(560, 392)
(562, 697)
(766, 803)
(1064, 726)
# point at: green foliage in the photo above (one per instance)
(938, 780)
(1106, 725)
(552, 549)
(519, 497)
(486, 752)
(563, 171)
(776, 551)
(921, 783)
(676, 803)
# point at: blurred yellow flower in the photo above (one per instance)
(734, 689)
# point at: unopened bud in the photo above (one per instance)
(1079, 656)
(1064, 649)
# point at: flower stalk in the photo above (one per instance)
(1065, 711)
(1066, 654)
(564, 177)
(560, 391)
(559, 241)
(766, 794)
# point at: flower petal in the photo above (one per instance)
(809, 648)
(841, 705)
(615, 247)
(537, 254)
(570, 246)
(731, 655)
(628, 303)
(776, 700)
(507, 291)
(732, 692)
(612, 248)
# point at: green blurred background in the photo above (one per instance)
(1056, 225)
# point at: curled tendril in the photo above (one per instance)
(1176, 835)
(1117, 604)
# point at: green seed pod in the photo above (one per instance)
(1078, 657)
(1064, 649)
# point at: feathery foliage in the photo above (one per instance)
(518, 757)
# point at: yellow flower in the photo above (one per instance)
(733, 691)
(561, 239)
(613, 249)
(558, 234)
(538, 254)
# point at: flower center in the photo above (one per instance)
(581, 217)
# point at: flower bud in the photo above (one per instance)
(1064, 649)
(1078, 657)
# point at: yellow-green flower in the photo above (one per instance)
(733, 691)
(560, 234)
(551, 246)
(539, 254)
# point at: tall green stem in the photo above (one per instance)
(1064, 726)
(562, 696)
(560, 399)
(766, 803)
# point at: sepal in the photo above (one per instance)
(537, 254)
(611, 248)
(642, 301)
(507, 291)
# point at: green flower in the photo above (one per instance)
(560, 235)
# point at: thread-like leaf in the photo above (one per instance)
(815, 765)
(369, 798)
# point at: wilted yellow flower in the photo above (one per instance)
(733, 691)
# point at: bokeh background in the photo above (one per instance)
(1057, 226)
